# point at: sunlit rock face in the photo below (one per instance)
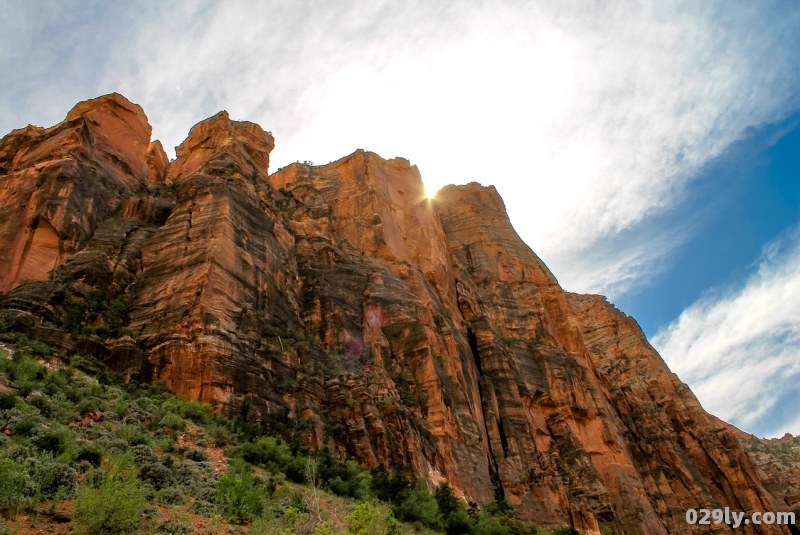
(59, 183)
(340, 302)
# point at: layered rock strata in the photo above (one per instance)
(339, 303)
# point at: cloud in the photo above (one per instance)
(738, 347)
(590, 118)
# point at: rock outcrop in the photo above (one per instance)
(340, 303)
(58, 184)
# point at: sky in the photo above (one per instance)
(646, 151)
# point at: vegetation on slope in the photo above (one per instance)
(81, 449)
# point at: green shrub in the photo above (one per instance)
(205, 502)
(296, 469)
(500, 507)
(143, 454)
(54, 479)
(175, 528)
(12, 484)
(459, 522)
(238, 496)
(55, 441)
(116, 504)
(370, 520)
(269, 452)
(7, 401)
(25, 425)
(170, 496)
(86, 363)
(419, 505)
(173, 422)
(390, 488)
(157, 475)
(91, 454)
(446, 499)
(196, 411)
(43, 404)
(354, 482)
(490, 525)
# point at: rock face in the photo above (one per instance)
(60, 183)
(340, 303)
(779, 460)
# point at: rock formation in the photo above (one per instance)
(340, 303)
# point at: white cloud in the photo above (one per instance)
(590, 118)
(738, 348)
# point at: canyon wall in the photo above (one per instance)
(338, 302)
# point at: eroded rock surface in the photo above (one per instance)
(341, 303)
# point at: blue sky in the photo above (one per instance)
(646, 150)
(745, 198)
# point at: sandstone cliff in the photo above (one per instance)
(338, 302)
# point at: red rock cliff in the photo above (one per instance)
(337, 298)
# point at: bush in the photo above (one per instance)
(158, 475)
(446, 499)
(356, 483)
(54, 441)
(489, 525)
(143, 454)
(55, 480)
(419, 505)
(12, 484)
(369, 520)
(238, 496)
(170, 496)
(269, 452)
(390, 488)
(175, 528)
(173, 422)
(116, 504)
(7, 401)
(196, 411)
(91, 454)
(296, 470)
(459, 522)
(499, 508)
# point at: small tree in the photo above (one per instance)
(12, 484)
(116, 504)
(239, 496)
(313, 479)
(448, 503)
(369, 520)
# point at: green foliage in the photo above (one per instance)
(499, 508)
(53, 479)
(446, 500)
(238, 496)
(296, 469)
(370, 520)
(419, 505)
(126, 424)
(12, 484)
(268, 452)
(198, 412)
(115, 505)
(157, 475)
(173, 422)
(390, 487)
(7, 401)
(343, 478)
